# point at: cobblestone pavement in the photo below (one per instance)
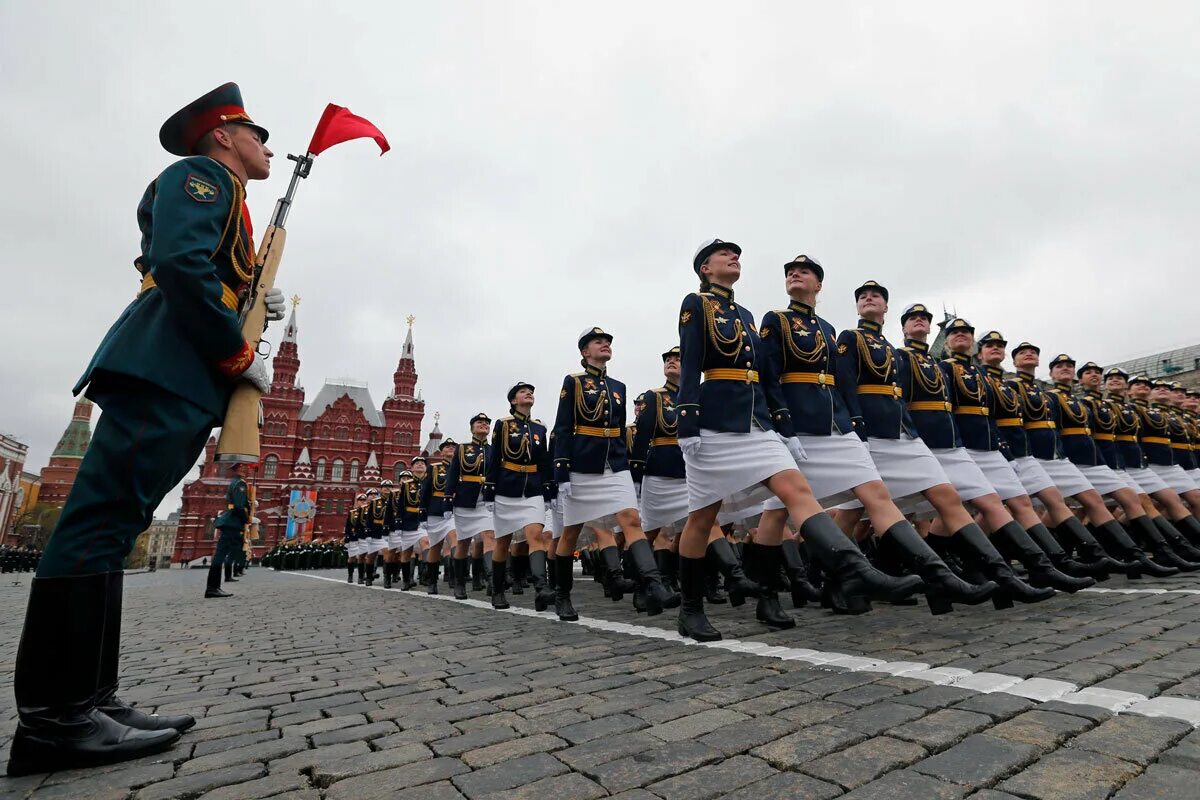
(306, 687)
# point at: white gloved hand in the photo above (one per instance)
(796, 449)
(256, 374)
(690, 445)
(564, 489)
(276, 305)
(491, 507)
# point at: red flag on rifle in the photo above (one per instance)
(338, 125)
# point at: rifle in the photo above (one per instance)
(239, 431)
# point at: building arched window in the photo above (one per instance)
(320, 469)
(398, 469)
(402, 439)
(354, 471)
(308, 431)
(337, 471)
(341, 432)
(358, 434)
(270, 467)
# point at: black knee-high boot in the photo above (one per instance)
(942, 586)
(477, 574)
(1175, 537)
(349, 573)
(803, 590)
(764, 566)
(722, 554)
(462, 567)
(1116, 540)
(977, 547)
(432, 570)
(615, 582)
(362, 579)
(658, 596)
(499, 577)
(713, 593)
(1059, 557)
(693, 574)
(543, 596)
(1014, 539)
(1147, 533)
(1073, 534)
(1189, 526)
(564, 583)
(56, 678)
(668, 565)
(851, 580)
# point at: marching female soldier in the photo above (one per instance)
(799, 346)
(737, 441)
(439, 520)
(464, 484)
(350, 539)
(519, 482)
(591, 465)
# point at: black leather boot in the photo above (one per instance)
(477, 572)
(1073, 534)
(763, 565)
(499, 578)
(1151, 538)
(668, 566)
(658, 596)
(1116, 540)
(543, 594)
(942, 586)
(110, 658)
(462, 567)
(406, 568)
(713, 593)
(1014, 539)
(977, 547)
(851, 580)
(693, 575)
(1059, 557)
(517, 565)
(349, 573)
(56, 678)
(803, 590)
(565, 567)
(615, 583)
(1176, 539)
(1189, 526)
(361, 577)
(213, 587)
(488, 561)
(387, 574)
(736, 583)
(432, 571)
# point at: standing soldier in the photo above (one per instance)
(232, 521)
(163, 376)
(519, 483)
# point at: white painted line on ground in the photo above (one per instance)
(1103, 590)
(1041, 690)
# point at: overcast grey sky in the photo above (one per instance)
(1033, 165)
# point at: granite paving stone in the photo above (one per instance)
(1071, 775)
(864, 762)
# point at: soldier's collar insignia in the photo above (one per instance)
(802, 308)
(913, 344)
(593, 370)
(721, 291)
(671, 386)
(868, 325)
(200, 190)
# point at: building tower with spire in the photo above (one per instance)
(337, 445)
(59, 476)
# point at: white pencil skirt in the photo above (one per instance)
(355, 548)
(396, 540)
(597, 499)
(968, 479)
(512, 514)
(664, 502)
(1103, 479)
(1033, 478)
(999, 472)
(835, 465)
(1174, 477)
(731, 467)
(1066, 476)
(376, 544)
(409, 539)
(470, 522)
(907, 467)
(439, 528)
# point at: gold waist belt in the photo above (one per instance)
(528, 469)
(746, 375)
(1045, 424)
(602, 433)
(1076, 431)
(663, 441)
(891, 391)
(981, 411)
(819, 378)
(929, 405)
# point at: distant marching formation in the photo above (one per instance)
(797, 431)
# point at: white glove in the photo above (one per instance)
(491, 507)
(690, 445)
(275, 304)
(794, 447)
(564, 489)
(256, 374)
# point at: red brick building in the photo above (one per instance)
(59, 475)
(338, 445)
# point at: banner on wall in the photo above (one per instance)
(302, 514)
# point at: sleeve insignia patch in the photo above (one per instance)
(200, 190)
(842, 348)
(685, 318)
(562, 395)
(752, 328)
(764, 333)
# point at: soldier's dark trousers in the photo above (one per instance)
(227, 548)
(145, 442)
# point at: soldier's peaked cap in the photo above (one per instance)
(480, 417)
(1089, 365)
(593, 333)
(1026, 346)
(518, 386)
(184, 129)
(916, 310)
(1116, 372)
(993, 337)
(959, 324)
(708, 247)
(674, 351)
(1061, 358)
(807, 262)
(873, 286)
